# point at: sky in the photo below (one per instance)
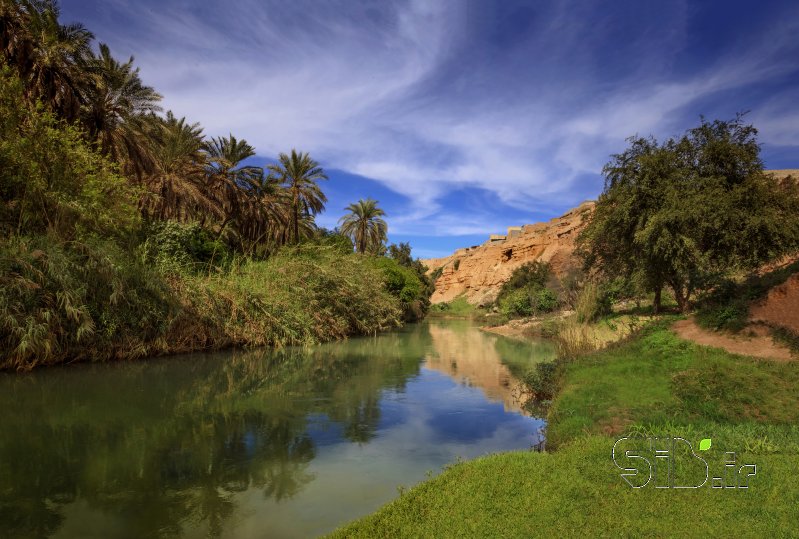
(465, 117)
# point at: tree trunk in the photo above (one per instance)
(296, 224)
(656, 302)
(681, 294)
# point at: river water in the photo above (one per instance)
(262, 443)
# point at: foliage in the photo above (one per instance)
(298, 174)
(405, 284)
(686, 212)
(50, 181)
(91, 301)
(458, 307)
(525, 293)
(365, 225)
(81, 300)
(176, 247)
(592, 302)
(531, 275)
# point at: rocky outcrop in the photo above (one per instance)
(478, 272)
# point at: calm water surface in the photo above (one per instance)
(253, 444)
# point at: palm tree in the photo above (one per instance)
(298, 174)
(364, 224)
(116, 112)
(237, 189)
(176, 188)
(53, 62)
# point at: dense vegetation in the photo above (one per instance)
(126, 233)
(689, 212)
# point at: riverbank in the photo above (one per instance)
(304, 295)
(653, 384)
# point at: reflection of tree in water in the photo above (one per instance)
(166, 445)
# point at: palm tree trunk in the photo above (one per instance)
(296, 224)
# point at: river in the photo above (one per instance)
(259, 443)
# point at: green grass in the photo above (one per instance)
(458, 307)
(653, 384)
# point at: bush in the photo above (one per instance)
(174, 246)
(81, 300)
(546, 300)
(527, 302)
(532, 275)
(405, 284)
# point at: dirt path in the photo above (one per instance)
(760, 345)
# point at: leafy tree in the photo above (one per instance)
(298, 175)
(365, 225)
(687, 212)
(50, 181)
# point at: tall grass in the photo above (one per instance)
(94, 302)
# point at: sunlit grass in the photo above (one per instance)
(653, 384)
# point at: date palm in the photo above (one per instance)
(365, 225)
(52, 58)
(116, 112)
(176, 188)
(298, 175)
(237, 188)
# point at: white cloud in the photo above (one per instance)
(404, 94)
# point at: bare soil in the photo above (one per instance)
(754, 341)
(780, 307)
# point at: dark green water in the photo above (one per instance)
(253, 444)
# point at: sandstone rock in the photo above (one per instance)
(479, 272)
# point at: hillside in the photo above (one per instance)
(478, 272)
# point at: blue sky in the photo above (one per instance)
(462, 117)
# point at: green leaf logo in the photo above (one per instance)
(704, 445)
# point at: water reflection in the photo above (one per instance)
(251, 444)
(494, 364)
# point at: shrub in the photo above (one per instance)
(516, 303)
(404, 284)
(546, 300)
(531, 275)
(174, 246)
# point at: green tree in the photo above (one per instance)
(365, 225)
(116, 110)
(689, 211)
(235, 187)
(298, 175)
(176, 189)
(51, 59)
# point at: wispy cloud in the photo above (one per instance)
(523, 102)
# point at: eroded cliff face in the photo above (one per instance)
(479, 272)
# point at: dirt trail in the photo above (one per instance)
(760, 345)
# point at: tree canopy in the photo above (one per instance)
(686, 212)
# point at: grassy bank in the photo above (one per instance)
(89, 271)
(651, 384)
(60, 303)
